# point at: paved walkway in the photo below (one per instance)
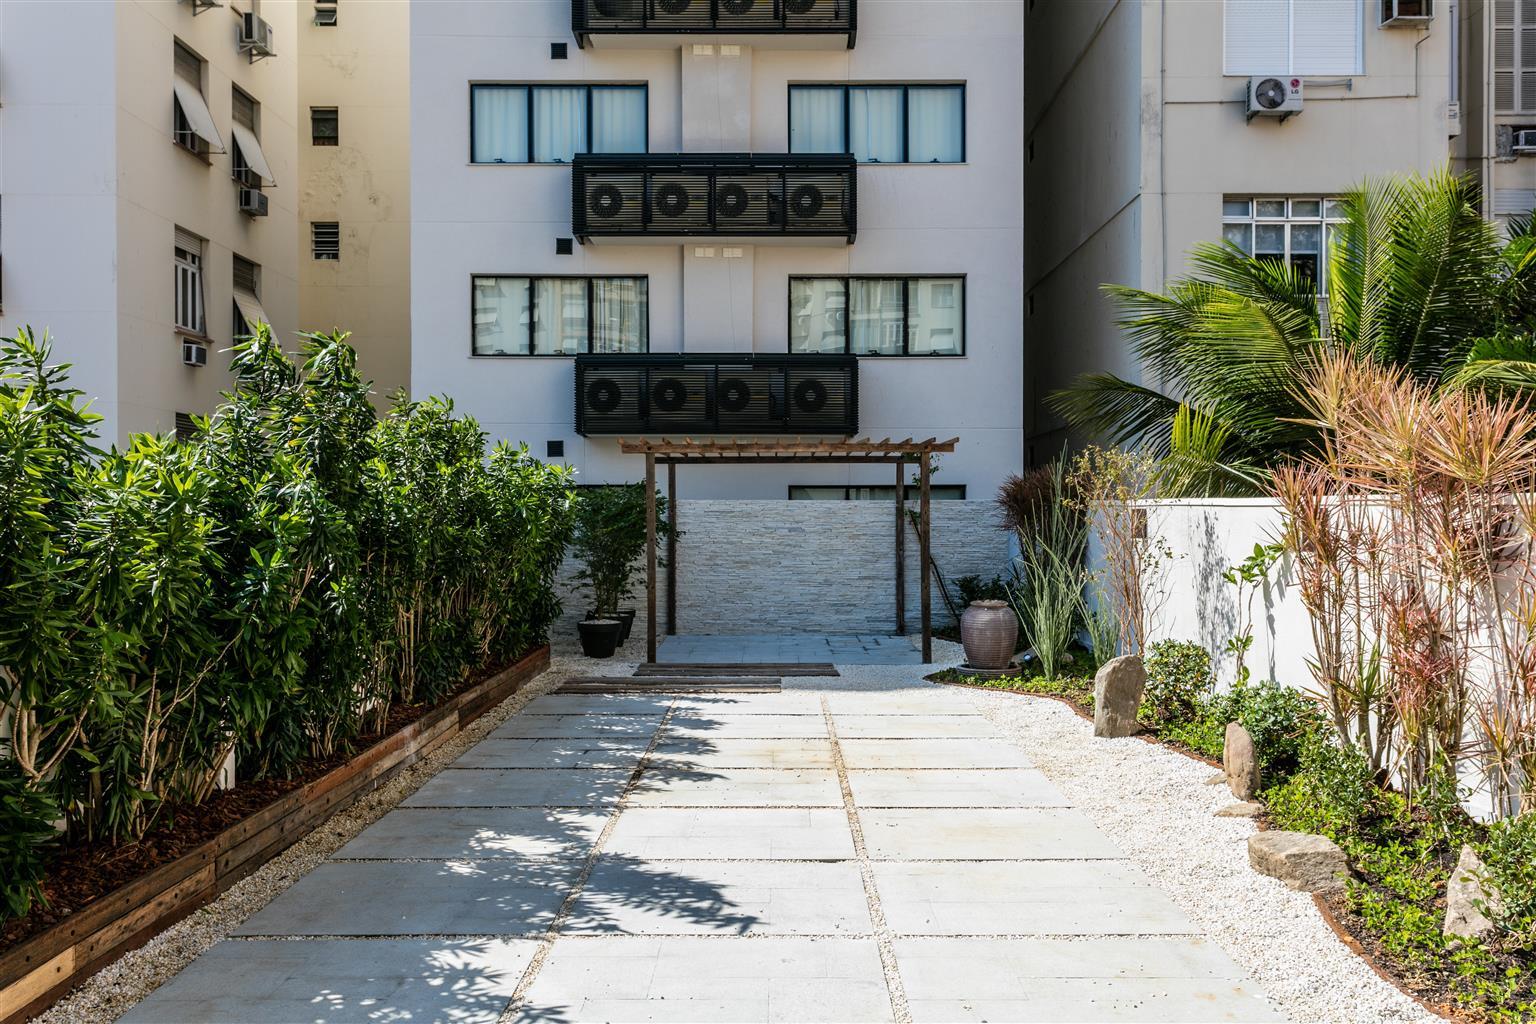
(780, 649)
(846, 855)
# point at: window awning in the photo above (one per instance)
(250, 310)
(195, 109)
(250, 150)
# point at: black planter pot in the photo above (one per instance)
(599, 637)
(626, 617)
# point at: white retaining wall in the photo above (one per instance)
(806, 566)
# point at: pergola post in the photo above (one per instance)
(901, 549)
(924, 520)
(671, 549)
(650, 558)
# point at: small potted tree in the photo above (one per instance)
(609, 542)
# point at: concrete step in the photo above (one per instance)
(671, 684)
(754, 669)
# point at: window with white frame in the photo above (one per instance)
(1296, 230)
(189, 283)
(1293, 37)
(1514, 56)
(560, 316)
(878, 316)
(550, 124)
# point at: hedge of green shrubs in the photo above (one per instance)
(274, 587)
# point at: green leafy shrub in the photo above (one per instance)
(610, 538)
(975, 588)
(1280, 720)
(1509, 854)
(1179, 682)
(26, 833)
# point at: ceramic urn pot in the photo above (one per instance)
(990, 631)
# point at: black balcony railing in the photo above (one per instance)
(673, 17)
(731, 194)
(726, 393)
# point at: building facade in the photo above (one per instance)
(1140, 145)
(737, 219)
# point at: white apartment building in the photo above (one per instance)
(722, 218)
(1139, 145)
(147, 183)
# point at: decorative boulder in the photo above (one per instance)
(1117, 694)
(1304, 862)
(1241, 762)
(1245, 809)
(1467, 887)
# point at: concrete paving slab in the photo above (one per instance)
(788, 649)
(924, 699)
(986, 833)
(574, 726)
(933, 753)
(984, 787)
(342, 982)
(598, 703)
(653, 897)
(913, 726)
(521, 787)
(1107, 1001)
(621, 752)
(714, 981)
(1025, 898)
(517, 898)
(666, 833)
(713, 753)
(715, 725)
(788, 702)
(470, 833)
(737, 787)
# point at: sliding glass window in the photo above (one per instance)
(550, 124)
(885, 124)
(878, 316)
(560, 316)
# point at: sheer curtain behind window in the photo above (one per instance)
(500, 116)
(874, 124)
(816, 120)
(875, 322)
(818, 319)
(618, 119)
(559, 123)
(559, 316)
(618, 314)
(501, 316)
(935, 122)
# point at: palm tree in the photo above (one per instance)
(1416, 279)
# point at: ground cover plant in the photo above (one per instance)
(271, 590)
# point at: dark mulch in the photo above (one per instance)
(81, 873)
(1429, 989)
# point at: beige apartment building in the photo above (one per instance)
(1139, 144)
(158, 190)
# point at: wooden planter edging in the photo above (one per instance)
(39, 970)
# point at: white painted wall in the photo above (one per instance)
(962, 219)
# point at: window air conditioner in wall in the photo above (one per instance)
(1273, 96)
(1525, 141)
(194, 354)
(1406, 12)
(253, 202)
(255, 37)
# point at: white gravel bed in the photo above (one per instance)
(116, 988)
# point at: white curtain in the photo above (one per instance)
(818, 320)
(874, 124)
(619, 314)
(816, 120)
(875, 323)
(935, 125)
(559, 316)
(618, 119)
(936, 318)
(501, 316)
(500, 116)
(559, 123)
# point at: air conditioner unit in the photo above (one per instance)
(255, 37)
(253, 202)
(1525, 141)
(194, 354)
(1273, 96)
(325, 14)
(1406, 12)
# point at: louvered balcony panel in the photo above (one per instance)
(783, 24)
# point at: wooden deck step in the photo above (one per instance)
(666, 684)
(681, 670)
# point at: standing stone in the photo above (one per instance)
(1241, 762)
(1304, 862)
(1465, 889)
(1117, 694)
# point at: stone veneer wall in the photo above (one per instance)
(806, 566)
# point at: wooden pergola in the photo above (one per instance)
(736, 453)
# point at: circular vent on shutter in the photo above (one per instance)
(736, 6)
(671, 200)
(669, 395)
(606, 202)
(731, 200)
(810, 396)
(673, 6)
(734, 394)
(603, 395)
(799, 6)
(806, 201)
